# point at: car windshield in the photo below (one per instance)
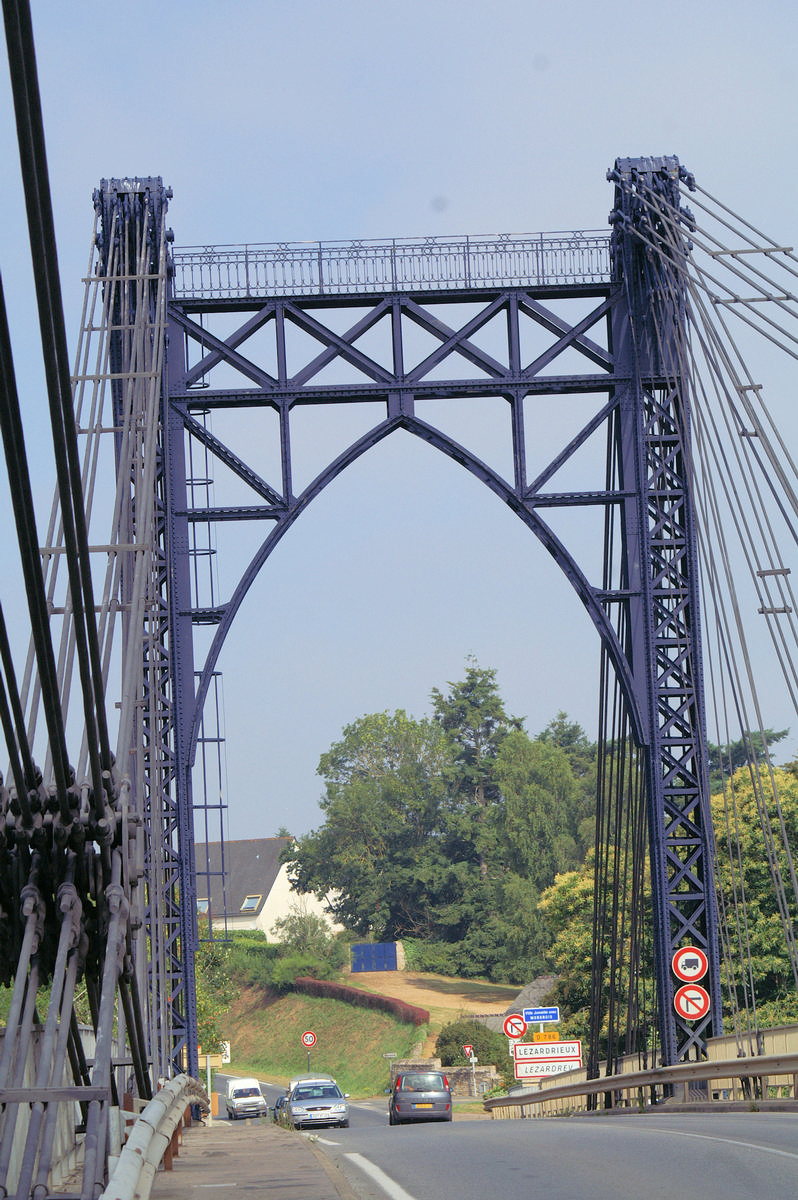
(419, 1082)
(328, 1092)
(249, 1091)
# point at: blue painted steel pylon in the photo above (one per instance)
(661, 568)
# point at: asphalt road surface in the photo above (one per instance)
(717, 1157)
(724, 1156)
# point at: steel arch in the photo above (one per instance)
(479, 470)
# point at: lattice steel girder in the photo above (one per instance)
(649, 338)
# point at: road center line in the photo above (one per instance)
(380, 1178)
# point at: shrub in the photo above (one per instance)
(251, 958)
(437, 958)
(287, 968)
(407, 1013)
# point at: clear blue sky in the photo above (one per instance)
(335, 119)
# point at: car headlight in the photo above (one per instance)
(338, 1108)
(297, 1108)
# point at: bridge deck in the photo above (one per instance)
(399, 265)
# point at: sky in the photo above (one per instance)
(351, 119)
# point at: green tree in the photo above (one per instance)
(377, 860)
(567, 907)
(757, 968)
(623, 984)
(444, 831)
(571, 738)
(307, 933)
(724, 761)
(216, 991)
(475, 722)
(747, 861)
(538, 791)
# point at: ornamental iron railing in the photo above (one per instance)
(401, 264)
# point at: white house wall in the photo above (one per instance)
(281, 902)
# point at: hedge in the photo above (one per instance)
(408, 1014)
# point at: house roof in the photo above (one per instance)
(250, 869)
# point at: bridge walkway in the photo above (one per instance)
(223, 1158)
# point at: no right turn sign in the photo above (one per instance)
(691, 1002)
(515, 1026)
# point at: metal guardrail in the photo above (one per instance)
(625, 1091)
(132, 1177)
(401, 264)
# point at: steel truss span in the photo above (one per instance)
(569, 325)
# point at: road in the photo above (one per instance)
(726, 1156)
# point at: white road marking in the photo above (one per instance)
(384, 1181)
(709, 1137)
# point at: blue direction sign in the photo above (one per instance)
(533, 1016)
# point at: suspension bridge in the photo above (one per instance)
(684, 480)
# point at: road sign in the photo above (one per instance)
(547, 1051)
(542, 1035)
(308, 1038)
(468, 1051)
(534, 1016)
(528, 1069)
(514, 1026)
(691, 1001)
(689, 964)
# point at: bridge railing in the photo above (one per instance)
(133, 1172)
(759, 1080)
(401, 264)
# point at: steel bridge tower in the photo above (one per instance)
(626, 352)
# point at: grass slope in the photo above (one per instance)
(266, 1033)
(266, 1029)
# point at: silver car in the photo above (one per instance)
(317, 1102)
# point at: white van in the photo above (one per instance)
(245, 1099)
